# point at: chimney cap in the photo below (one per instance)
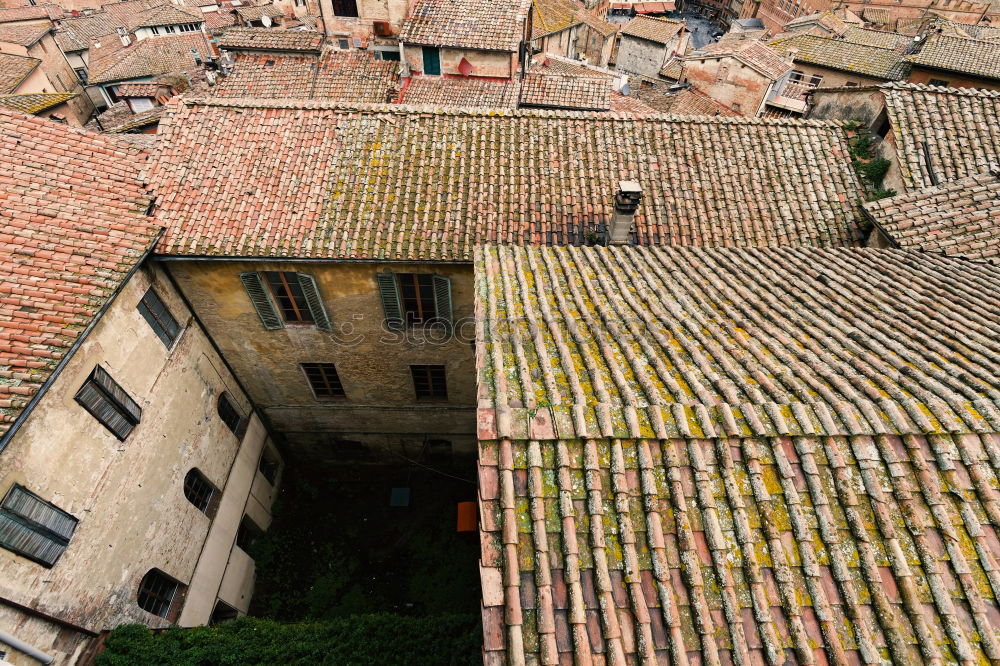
(629, 186)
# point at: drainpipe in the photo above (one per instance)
(29, 650)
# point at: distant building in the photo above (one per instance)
(647, 43)
(943, 60)
(567, 28)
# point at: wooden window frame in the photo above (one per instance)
(163, 605)
(13, 515)
(297, 311)
(158, 316)
(430, 375)
(324, 380)
(415, 284)
(392, 288)
(113, 395)
(201, 492)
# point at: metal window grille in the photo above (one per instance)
(429, 382)
(324, 380)
(109, 403)
(230, 415)
(158, 317)
(34, 528)
(156, 593)
(198, 490)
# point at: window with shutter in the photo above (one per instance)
(416, 299)
(313, 301)
(284, 297)
(231, 416)
(109, 403)
(324, 380)
(158, 317)
(389, 291)
(34, 528)
(261, 300)
(442, 301)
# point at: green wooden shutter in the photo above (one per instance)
(389, 290)
(442, 300)
(261, 301)
(311, 292)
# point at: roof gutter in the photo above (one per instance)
(35, 399)
(308, 260)
(27, 649)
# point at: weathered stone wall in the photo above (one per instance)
(955, 80)
(729, 82)
(128, 495)
(369, 11)
(380, 409)
(497, 64)
(640, 56)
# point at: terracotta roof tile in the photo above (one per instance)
(439, 91)
(566, 91)
(35, 102)
(168, 14)
(943, 134)
(493, 25)
(753, 53)
(879, 38)
(653, 29)
(560, 65)
(877, 15)
(955, 54)
(356, 77)
(219, 22)
(960, 218)
(271, 39)
(630, 104)
(151, 57)
(828, 21)
(685, 102)
(129, 13)
(845, 56)
(551, 16)
(73, 224)
(31, 12)
(257, 13)
(140, 89)
(347, 76)
(266, 76)
(24, 34)
(14, 70)
(76, 33)
(397, 183)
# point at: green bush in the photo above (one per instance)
(875, 170)
(446, 640)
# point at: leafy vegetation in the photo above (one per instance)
(869, 165)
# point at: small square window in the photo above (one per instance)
(289, 296)
(429, 382)
(159, 594)
(343, 44)
(938, 82)
(109, 403)
(158, 317)
(324, 380)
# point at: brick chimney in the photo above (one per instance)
(626, 201)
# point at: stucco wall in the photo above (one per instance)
(739, 85)
(499, 64)
(127, 495)
(833, 78)
(954, 80)
(62, 77)
(380, 409)
(391, 11)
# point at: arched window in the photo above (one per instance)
(200, 492)
(230, 415)
(160, 594)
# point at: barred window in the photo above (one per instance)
(231, 416)
(109, 403)
(34, 528)
(159, 594)
(324, 380)
(158, 317)
(200, 492)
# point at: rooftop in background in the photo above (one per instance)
(150, 89)
(653, 29)
(553, 16)
(393, 182)
(959, 218)
(23, 34)
(35, 102)
(684, 101)
(270, 39)
(151, 57)
(169, 14)
(31, 12)
(73, 225)
(490, 25)
(346, 76)
(878, 38)
(545, 62)
(14, 70)
(824, 22)
(943, 134)
(77, 32)
(956, 54)
(751, 52)
(437, 91)
(845, 56)
(260, 11)
(679, 455)
(566, 91)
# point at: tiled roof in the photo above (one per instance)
(140, 89)
(135, 121)
(767, 511)
(559, 65)
(24, 34)
(877, 15)
(845, 56)
(14, 70)
(257, 13)
(397, 183)
(493, 25)
(630, 104)
(566, 91)
(31, 12)
(73, 224)
(751, 52)
(129, 13)
(80, 31)
(35, 102)
(828, 21)
(216, 22)
(955, 54)
(347, 76)
(673, 69)
(961, 218)
(467, 93)
(684, 102)
(879, 38)
(70, 41)
(957, 130)
(553, 16)
(150, 57)
(653, 29)
(169, 14)
(271, 39)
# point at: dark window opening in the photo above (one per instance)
(231, 416)
(388, 55)
(432, 60)
(345, 8)
(158, 317)
(34, 528)
(269, 465)
(200, 492)
(324, 380)
(417, 293)
(248, 534)
(429, 382)
(343, 44)
(109, 404)
(938, 82)
(160, 594)
(437, 451)
(288, 295)
(223, 612)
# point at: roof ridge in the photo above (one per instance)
(941, 90)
